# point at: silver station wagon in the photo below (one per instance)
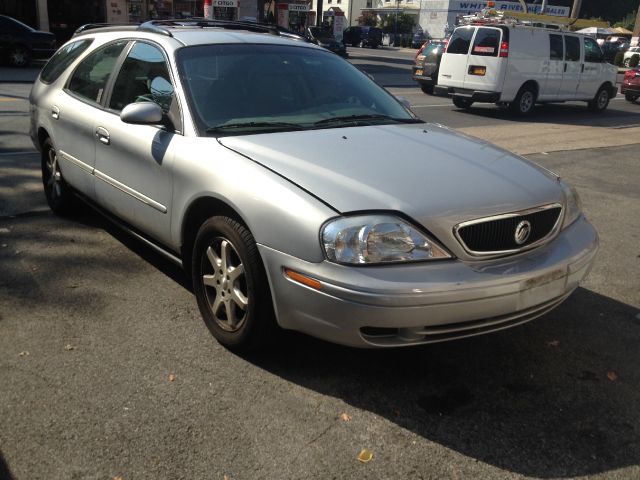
(297, 193)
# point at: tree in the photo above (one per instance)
(406, 23)
(368, 19)
(627, 22)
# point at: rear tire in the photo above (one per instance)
(428, 89)
(600, 101)
(462, 102)
(525, 101)
(59, 194)
(19, 57)
(231, 285)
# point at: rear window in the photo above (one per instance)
(572, 49)
(556, 51)
(62, 59)
(460, 41)
(486, 43)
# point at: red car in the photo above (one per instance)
(631, 84)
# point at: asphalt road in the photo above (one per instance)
(106, 369)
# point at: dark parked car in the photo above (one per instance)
(427, 65)
(630, 87)
(325, 39)
(362, 37)
(19, 43)
(418, 39)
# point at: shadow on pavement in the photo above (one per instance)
(533, 401)
(5, 473)
(564, 114)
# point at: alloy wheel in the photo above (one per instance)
(53, 177)
(225, 284)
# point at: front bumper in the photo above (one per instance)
(629, 88)
(473, 95)
(400, 305)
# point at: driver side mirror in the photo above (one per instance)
(142, 113)
(404, 101)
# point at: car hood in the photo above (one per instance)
(436, 176)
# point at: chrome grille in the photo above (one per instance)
(496, 235)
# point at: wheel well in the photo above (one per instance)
(197, 213)
(531, 83)
(42, 136)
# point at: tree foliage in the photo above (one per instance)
(406, 23)
(369, 19)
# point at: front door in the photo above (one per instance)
(593, 64)
(133, 162)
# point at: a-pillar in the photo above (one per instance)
(43, 15)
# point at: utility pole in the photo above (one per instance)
(543, 7)
(575, 11)
(636, 29)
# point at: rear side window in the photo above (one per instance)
(571, 49)
(486, 43)
(62, 59)
(460, 40)
(90, 78)
(556, 47)
(592, 52)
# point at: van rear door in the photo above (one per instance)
(486, 62)
(453, 67)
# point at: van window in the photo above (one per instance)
(592, 52)
(572, 49)
(556, 48)
(486, 43)
(460, 40)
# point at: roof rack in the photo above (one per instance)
(162, 27)
(159, 26)
(490, 16)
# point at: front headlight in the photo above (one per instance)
(573, 205)
(370, 239)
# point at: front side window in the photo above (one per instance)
(571, 49)
(486, 43)
(592, 52)
(243, 88)
(143, 77)
(92, 74)
(62, 59)
(460, 40)
(556, 47)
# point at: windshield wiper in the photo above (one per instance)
(225, 127)
(371, 116)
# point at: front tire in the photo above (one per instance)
(630, 98)
(58, 193)
(231, 285)
(600, 101)
(462, 102)
(626, 62)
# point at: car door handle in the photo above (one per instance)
(55, 112)
(102, 134)
(582, 68)
(565, 66)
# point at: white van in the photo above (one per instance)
(521, 65)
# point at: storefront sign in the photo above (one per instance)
(225, 3)
(297, 7)
(471, 6)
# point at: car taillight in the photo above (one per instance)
(504, 49)
(446, 44)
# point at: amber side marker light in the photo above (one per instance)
(303, 279)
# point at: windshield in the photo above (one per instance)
(238, 89)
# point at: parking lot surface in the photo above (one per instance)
(107, 370)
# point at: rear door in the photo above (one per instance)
(484, 70)
(572, 70)
(555, 72)
(453, 68)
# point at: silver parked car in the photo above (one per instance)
(297, 193)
